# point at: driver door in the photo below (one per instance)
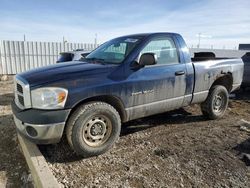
(160, 87)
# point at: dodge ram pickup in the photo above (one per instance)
(125, 78)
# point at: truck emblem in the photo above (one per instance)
(142, 92)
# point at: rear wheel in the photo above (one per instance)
(93, 128)
(216, 103)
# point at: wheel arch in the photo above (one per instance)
(225, 80)
(110, 99)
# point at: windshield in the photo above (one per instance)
(114, 51)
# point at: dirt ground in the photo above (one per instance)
(174, 149)
(13, 169)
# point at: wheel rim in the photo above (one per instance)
(219, 103)
(97, 130)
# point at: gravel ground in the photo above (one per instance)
(174, 149)
(13, 169)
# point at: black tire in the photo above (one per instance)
(216, 103)
(88, 124)
(243, 88)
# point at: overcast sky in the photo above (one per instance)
(222, 23)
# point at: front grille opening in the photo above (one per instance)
(21, 99)
(19, 88)
(22, 93)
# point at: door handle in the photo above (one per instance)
(179, 73)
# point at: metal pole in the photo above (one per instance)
(199, 40)
(64, 41)
(95, 40)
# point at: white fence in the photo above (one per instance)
(19, 56)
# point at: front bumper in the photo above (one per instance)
(40, 126)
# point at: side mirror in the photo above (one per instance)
(148, 59)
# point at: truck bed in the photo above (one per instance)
(205, 56)
(208, 70)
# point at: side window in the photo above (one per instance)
(165, 50)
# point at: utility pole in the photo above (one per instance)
(95, 40)
(199, 40)
(64, 42)
(200, 35)
(24, 38)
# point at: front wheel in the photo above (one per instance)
(93, 128)
(216, 103)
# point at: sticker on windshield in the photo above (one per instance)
(131, 40)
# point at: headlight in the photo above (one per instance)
(49, 98)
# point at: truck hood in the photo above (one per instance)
(64, 71)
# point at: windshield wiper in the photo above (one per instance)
(94, 59)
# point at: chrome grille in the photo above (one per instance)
(21, 100)
(22, 93)
(19, 88)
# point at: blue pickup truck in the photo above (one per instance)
(126, 78)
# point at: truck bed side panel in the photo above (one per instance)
(207, 72)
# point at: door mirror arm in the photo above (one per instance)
(135, 65)
(144, 60)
